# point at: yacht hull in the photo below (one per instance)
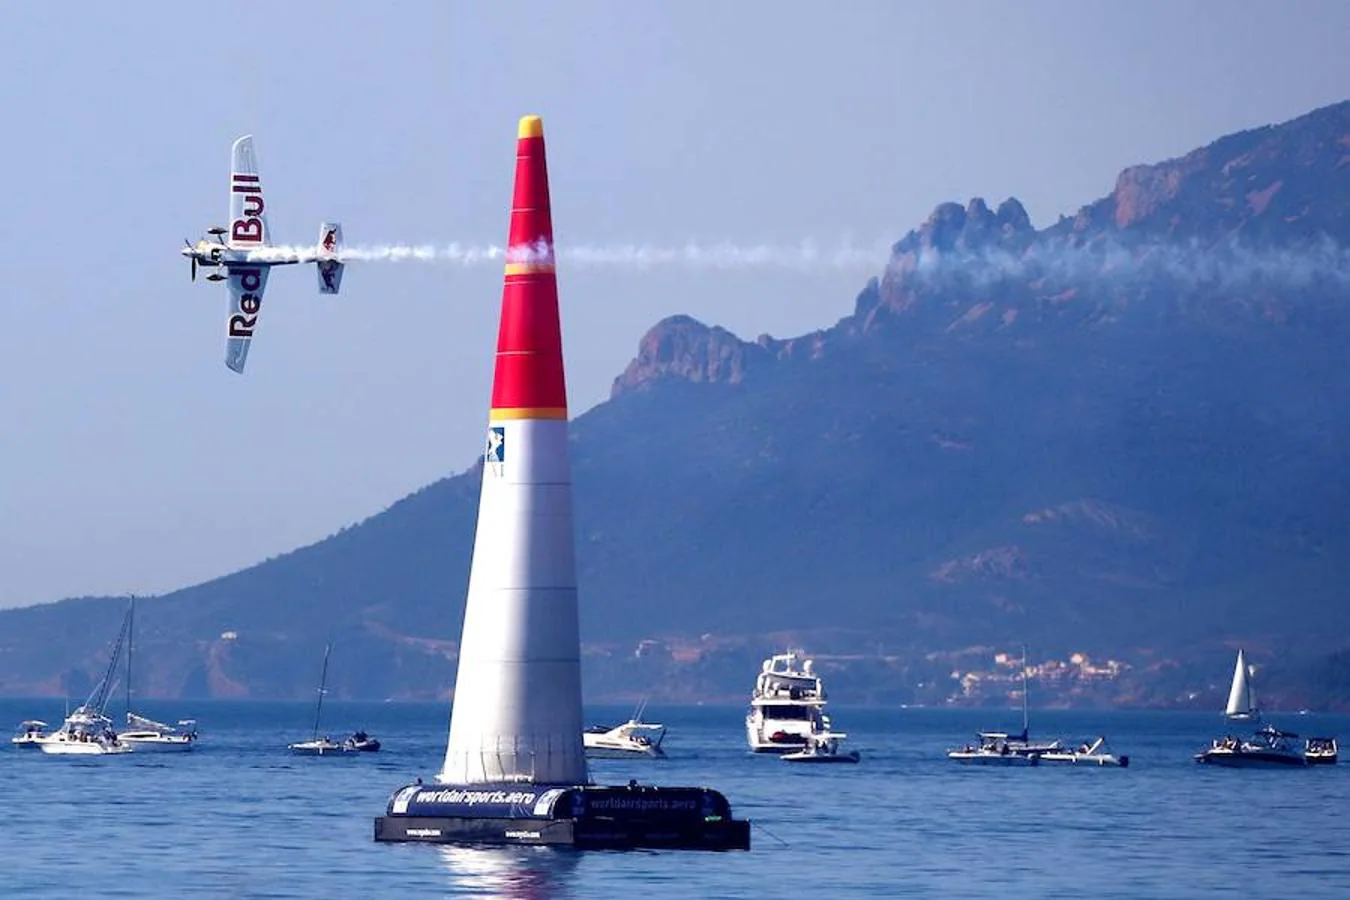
(81, 748)
(994, 759)
(593, 752)
(161, 744)
(308, 749)
(1085, 759)
(850, 757)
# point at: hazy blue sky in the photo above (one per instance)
(133, 460)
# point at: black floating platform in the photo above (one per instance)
(584, 816)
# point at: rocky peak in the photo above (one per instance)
(683, 348)
(1268, 183)
(954, 228)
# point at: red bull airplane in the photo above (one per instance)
(245, 252)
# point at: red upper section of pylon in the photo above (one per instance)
(529, 372)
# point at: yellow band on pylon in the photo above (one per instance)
(527, 412)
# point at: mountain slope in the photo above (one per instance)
(1121, 432)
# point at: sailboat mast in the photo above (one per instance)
(131, 628)
(1026, 733)
(323, 683)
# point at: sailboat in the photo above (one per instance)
(1002, 748)
(88, 731)
(325, 746)
(1241, 698)
(1268, 746)
(145, 735)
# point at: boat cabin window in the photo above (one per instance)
(775, 711)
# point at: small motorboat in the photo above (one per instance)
(1094, 754)
(823, 748)
(30, 734)
(632, 738)
(361, 742)
(1268, 747)
(1320, 751)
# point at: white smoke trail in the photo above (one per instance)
(1228, 264)
(806, 256)
(1185, 263)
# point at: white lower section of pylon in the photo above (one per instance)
(517, 708)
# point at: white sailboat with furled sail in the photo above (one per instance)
(145, 735)
(320, 746)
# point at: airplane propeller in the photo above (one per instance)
(193, 259)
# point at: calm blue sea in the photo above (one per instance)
(239, 817)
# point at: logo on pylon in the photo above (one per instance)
(495, 454)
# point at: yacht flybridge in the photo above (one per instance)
(787, 707)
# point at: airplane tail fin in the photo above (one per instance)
(328, 262)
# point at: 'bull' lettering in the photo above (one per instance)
(246, 230)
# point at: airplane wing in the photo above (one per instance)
(246, 292)
(248, 217)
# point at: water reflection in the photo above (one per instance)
(520, 873)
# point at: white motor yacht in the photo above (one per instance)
(633, 738)
(85, 732)
(787, 707)
(30, 734)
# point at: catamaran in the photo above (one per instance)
(145, 735)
